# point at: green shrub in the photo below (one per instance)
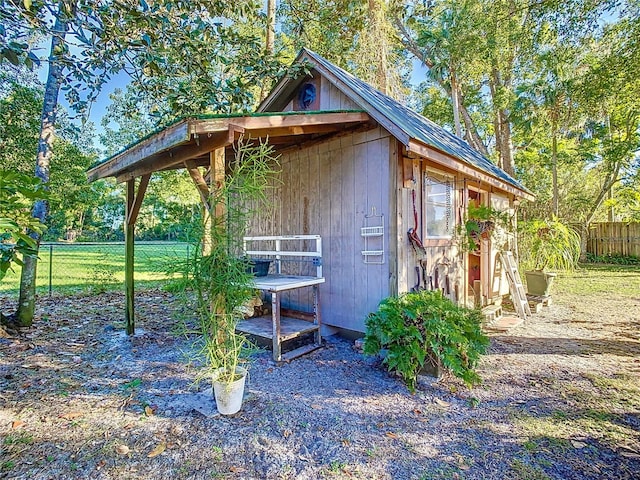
(425, 326)
(613, 259)
(548, 244)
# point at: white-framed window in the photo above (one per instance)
(439, 205)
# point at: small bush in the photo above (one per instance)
(425, 326)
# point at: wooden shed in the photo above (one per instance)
(362, 171)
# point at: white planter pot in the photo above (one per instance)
(229, 395)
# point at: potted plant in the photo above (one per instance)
(222, 287)
(425, 328)
(220, 281)
(546, 244)
(482, 222)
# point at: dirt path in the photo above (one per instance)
(560, 399)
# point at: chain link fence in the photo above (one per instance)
(69, 267)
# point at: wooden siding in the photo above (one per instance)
(327, 189)
(499, 285)
(614, 238)
(333, 99)
(441, 254)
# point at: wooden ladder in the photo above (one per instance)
(518, 294)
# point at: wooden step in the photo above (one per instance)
(297, 352)
(491, 314)
(504, 324)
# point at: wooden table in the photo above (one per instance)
(292, 324)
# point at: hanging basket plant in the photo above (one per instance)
(482, 222)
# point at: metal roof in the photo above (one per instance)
(412, 124)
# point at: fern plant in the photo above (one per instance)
(425, 326)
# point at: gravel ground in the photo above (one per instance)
(560, 399)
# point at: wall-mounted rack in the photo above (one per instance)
(372, 231)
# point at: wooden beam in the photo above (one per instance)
(445, 160)
(320, 138)
(168, 138)
(290, 123)
(218, 166)
(132, 213)
(193, 138)
(177, 157)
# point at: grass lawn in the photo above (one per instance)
(99, 266)
(597, 279)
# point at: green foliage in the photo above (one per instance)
(219, 281)
(421, 327)
(548, 243)
(17, 194)
(613, 259)
(482, 220)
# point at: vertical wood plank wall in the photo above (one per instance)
(327, 189)
(441, 255)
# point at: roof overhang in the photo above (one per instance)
(452, 163)
(189, 141)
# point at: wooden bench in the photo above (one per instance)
(286, 324)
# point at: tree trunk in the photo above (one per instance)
(271, 26)
(456, 101)
(27, 299)
(554, 172)
(471, 132)
(269, 41)
(584, 237)
(501, 124)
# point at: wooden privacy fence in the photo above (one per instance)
(614, 238)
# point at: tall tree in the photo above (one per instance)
(442, 38)
(92, 40)
(64, 14)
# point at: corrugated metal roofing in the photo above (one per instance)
(412, 124)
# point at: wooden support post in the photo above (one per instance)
(215, 210)
(133, 208)
(316, 313)
(128, 260)
(217, 160)
(275, 319)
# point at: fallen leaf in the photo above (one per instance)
(442, 403)
(237, 469)
(287, 433)
(122, 449)
(148, 411)
(71, 415)
(315, 406)
(346, 442)
(17, 424)
(161, 447)
(577, 444)
(391, 435)
(417, 412)
(628, 454)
